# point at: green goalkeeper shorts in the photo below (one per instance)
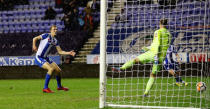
(149, 57)
(146, 57)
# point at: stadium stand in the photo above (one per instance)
(140, 17)
(113, 5)
(30, 16)
(19, 44)
(19, 25)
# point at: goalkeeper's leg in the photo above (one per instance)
(151, 80)
(149, 84)
(129, 64)
(143, 58)
(126, 65)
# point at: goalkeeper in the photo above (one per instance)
(173, 67)
(156, 53)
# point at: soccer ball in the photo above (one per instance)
(201, 86)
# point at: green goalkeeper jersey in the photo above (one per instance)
(161, 42)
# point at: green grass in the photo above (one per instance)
(83, 93)
(130, 91)
(27, 94)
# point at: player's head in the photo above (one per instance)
(53, 30)
(163, 22)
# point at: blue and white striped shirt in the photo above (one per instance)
(45, 45)
(169, 55)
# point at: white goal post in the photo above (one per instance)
(123, 37)
(103, 53)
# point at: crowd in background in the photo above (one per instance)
(50, 13)
(74, 19)
(9, 4)
(78, 14)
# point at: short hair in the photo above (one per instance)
(164, 22)
(52, 27)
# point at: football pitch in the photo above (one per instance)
(27, 94)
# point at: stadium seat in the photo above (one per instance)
(41, 30)
(58, 22)
(11, 29)
(6, 30)
(135, 30)
(128, 30)
(114, 25)
(23, 29)
(110, 31)
(24, 14)
(123, 30)
(116, 31)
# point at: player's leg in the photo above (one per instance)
(179, 78)
(175, 68)
(129, 64)
(58, 73)
(143, 58)
(41, 62)
(126, 65)
(50, 70)
(151, 80)
(58, 77)
(176, 77)
(171, 68)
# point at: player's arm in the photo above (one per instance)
(61, 52)
(35, 39)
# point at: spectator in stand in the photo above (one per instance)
(81, 22)
(66, 8)
(50, 13)
(73, 3)
(69, 5)
(9, 4)
(66, 20)
(2, 5)
(110, 4)
(88, 9)
(6, 5)
(88, 24)
(73, 19)
(165, 4)
(121, 17)
(58, 3)
(21, 2)
(95, 6)
(82, 3)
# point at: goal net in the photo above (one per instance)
(128, 26)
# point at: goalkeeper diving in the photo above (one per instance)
(156, 54)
